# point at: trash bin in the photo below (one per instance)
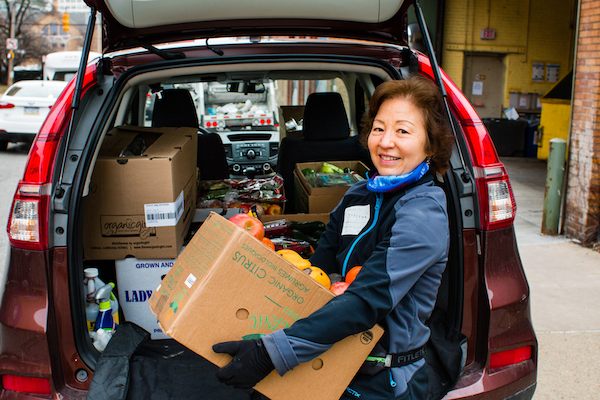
(509, 136)
(531, 144)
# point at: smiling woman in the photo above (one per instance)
(413, 111)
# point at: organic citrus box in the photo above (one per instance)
(227, 285)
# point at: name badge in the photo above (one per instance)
(355, 219)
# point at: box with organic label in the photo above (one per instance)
(228, 285)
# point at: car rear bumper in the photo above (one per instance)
(17, 137)
(517, 382)
(525, 394)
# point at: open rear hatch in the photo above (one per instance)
(127, 23)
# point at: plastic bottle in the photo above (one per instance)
(91, 307)
(105, 324)
(92, 283)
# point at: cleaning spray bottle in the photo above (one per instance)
(105, 324)
(92, 283)
(91, 307)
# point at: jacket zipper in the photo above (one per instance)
(375, 218)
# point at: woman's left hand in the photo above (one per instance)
(250, 364)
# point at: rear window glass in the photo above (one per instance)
(215, 98)
(35, 91)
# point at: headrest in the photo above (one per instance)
(325, 117)
(175, 108)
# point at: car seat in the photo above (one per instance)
(326, 137)
(175, 108)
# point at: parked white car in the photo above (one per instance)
(24, 107)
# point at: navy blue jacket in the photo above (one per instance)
(401, 240)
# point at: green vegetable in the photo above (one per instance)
(334, 168)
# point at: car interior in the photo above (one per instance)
(327, 101)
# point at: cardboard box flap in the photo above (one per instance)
(161, 142)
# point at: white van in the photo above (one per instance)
(63, 65)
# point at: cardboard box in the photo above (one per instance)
(286, 113)
(227, 285)
(141, 206)
(137, 280)
(321, 199)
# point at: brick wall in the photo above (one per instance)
(582, 206)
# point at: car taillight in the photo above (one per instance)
(26, 384)
(6, 105)
(510, 357)
(28, 221)
(496, 197)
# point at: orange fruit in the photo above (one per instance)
(268, 243)
(351, 275)
(318, 275)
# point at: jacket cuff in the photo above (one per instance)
(280, 350)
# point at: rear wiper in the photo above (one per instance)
(167, 55)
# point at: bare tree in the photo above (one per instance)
(24, 14)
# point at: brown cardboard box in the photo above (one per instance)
(286, 113)
(130, 197)
(321, 199)
(227, 285)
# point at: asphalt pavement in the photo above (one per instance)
(564, 280)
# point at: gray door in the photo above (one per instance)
(483, 83)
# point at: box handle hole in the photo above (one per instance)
(242, 314)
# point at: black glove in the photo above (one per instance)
(250, 364)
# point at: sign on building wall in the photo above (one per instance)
(552, 72)
(537, 72)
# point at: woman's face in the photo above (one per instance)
(398, 138)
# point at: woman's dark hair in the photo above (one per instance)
(426, 96)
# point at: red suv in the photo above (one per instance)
(151, 48)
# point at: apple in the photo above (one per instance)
(244, 207)
(339, 288)
(274, 209)
(250, 224)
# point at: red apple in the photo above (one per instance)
(339, 288)
(250, 224)
(274, 209)
(244, 207)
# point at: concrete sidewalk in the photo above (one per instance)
(564, 279)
